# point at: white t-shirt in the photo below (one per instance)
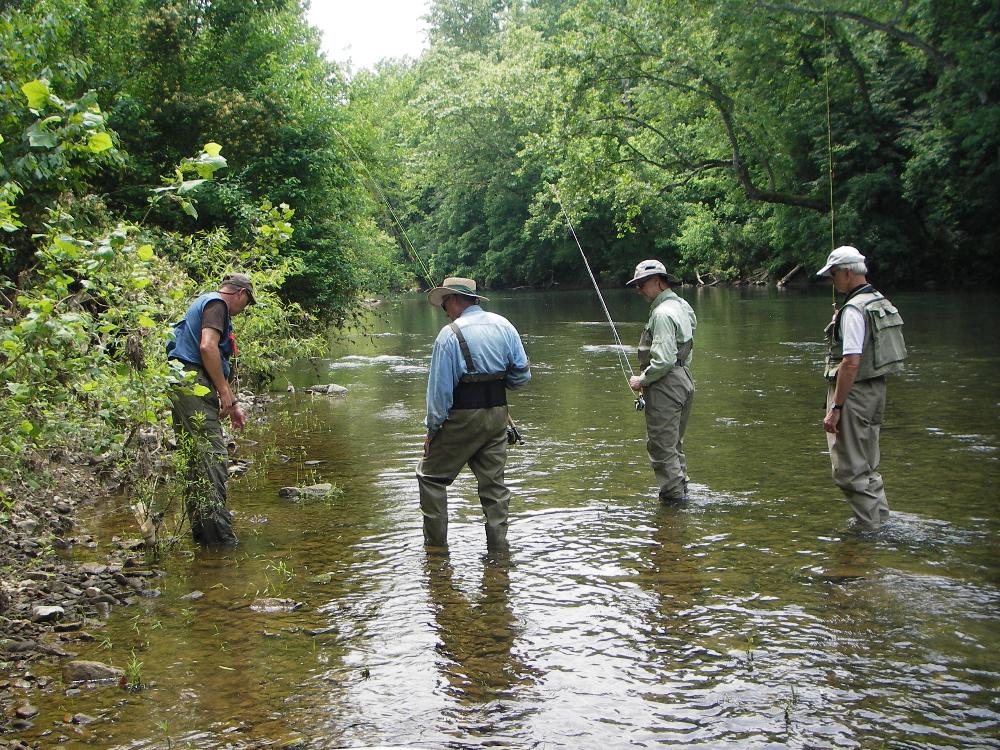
(852, 330)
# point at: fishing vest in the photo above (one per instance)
(883, 350)
(476, 390)
(186, 343)
(646, 343)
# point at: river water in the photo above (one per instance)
(753, 617)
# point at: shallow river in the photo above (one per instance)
(751, 618)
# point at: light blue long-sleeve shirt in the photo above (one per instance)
(495, 346)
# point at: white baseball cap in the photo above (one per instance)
(842, 256)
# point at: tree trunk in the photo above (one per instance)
(784, 279)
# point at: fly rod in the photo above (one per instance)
(640, 402)
(513, 435)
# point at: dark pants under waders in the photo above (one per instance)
(197, 417)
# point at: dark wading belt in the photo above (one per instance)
(476, 390)
(684, 351)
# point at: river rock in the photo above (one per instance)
(19, 647)
(92, 568)
(193, 596)
(42, 613)
(313, 490)
(25, 711)
(268, 606)
(90, 671)
(26, 525)
(330, 389)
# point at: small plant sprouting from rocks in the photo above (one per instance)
(276, 574)
(751, 644)
(132, 679)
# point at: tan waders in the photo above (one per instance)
(477, 437)
(668, 406)
(854, 451)
(208, 462)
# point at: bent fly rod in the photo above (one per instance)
(640, 402)
(513, 435)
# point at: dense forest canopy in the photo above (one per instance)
(701, 132)
(705, 132)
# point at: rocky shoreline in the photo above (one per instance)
(50, 604)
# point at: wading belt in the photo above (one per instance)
(476, 390)
(684, 351)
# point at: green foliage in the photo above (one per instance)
(700, 132)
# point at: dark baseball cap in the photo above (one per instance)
(240, 281)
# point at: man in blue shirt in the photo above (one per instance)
(203, 343)
(475, 359)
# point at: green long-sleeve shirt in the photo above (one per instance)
(671, 322)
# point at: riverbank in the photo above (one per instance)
(51, 602)
(59, 582)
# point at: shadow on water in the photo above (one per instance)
(753, 616)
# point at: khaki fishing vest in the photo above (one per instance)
(884, 349)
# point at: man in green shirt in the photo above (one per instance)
(665, 352)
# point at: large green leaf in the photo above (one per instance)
(99, 142)
(37, 93)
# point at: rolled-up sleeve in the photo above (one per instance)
(519, 369)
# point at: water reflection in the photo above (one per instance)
(750, 617)
(476, 631)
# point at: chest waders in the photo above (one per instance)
(854, 450)
(475, 433)
(668, 406)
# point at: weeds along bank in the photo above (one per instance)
(86, 384)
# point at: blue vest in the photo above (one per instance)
(186, 343)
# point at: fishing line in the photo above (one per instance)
(513, 434)
(622, 360)
(829, 145)
(375, 184)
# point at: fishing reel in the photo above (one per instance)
(513, 436)
(640, 403)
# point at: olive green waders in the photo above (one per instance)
(477, 437)
(854, 451)
(668, 406)
(208, 464)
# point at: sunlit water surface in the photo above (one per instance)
(751, 618)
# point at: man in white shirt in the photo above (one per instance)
(866, 344)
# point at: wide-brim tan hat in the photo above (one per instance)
(453, 285)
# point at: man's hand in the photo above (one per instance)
(635, 383)
(831, 420)
(427, 444)
(236, 416)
